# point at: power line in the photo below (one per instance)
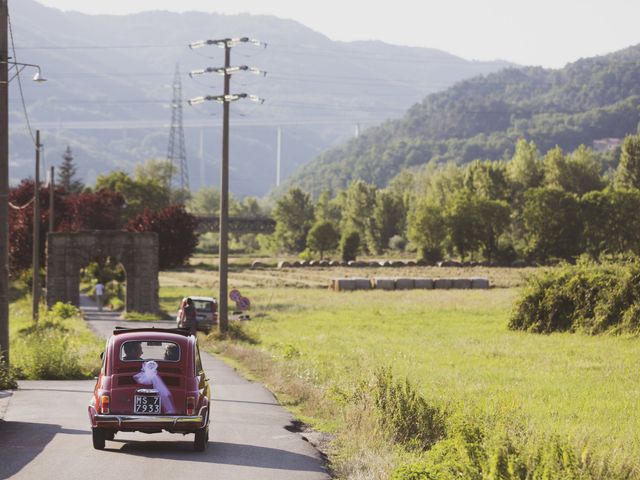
(24, 106)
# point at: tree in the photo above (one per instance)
(578, 173)
(67, 173)
(294, 217)
(358, 207)
(205, 202)
(552, 225)
(322, 237)
(328, 209)
(487, 180)
(525, 170)
(628, 172)
(461, 225)
(349, 245)
(388, 219)
(176, 229)
(139, 193)
(491, 219)
(611, 221)
(427, 230)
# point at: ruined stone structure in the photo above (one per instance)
(67, 253)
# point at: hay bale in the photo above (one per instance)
(284, 264)
(335, 263)
(362, 283)
(296, 264)
(384, 283)
(423, 283)
(343, 284)
(479, 283)
(461, 283)
(304, 263)
(410, 263)
(258, 264)
(323, 263)
(398, 263)
(356, 263)
(404, 284)
(442, 283)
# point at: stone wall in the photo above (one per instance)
(67, 253)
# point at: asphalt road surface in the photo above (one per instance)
(45, 434)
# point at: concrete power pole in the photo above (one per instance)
(4, 180)
(35, 278)
(278, 156)
(225, 99)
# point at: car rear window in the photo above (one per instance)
(203, 305)
(143, 350)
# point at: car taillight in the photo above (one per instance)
(191, 405)
(104, 404)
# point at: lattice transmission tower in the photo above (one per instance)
(176, 153)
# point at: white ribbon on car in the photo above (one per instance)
(149, 376)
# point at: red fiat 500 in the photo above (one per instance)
(151, 380)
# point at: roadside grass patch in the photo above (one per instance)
(59, 346)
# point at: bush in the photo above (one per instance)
(588, 297)
(48, 353)
(397, 243)
(8, 376)
(405, 415)
(63, 310)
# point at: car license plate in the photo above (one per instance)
(146, 404)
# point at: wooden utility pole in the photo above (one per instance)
(223, 309)
(4, 180)
(35, 279)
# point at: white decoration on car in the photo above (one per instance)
(149, 376)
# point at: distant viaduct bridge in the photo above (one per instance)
(238, 224)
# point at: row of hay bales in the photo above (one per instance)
(336, 263)
(349, 284)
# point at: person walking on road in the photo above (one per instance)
(189, 319)
(99, 295)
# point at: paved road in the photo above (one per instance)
(45, 433)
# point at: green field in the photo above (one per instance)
(454, 346)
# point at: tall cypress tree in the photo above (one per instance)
(67, 173)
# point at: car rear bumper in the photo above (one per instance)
(173, 423)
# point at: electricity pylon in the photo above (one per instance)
(176, 153)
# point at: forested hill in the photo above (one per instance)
(482, 118)
(109, 91)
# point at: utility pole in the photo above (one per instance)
(278, 155)
(225, 99)
(52, 189)
(35, 278)
(4, 181)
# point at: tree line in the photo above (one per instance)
(533, 207)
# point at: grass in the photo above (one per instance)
(55, 348)
(456, 348)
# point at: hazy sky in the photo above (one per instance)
(532, 32)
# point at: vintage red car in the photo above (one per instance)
(151, 380)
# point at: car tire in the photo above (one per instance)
(109, 434)
(99, 438)
(201, 440)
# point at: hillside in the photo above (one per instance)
(109, 92)
(482, 118)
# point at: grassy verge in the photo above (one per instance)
(316, 349)
(60, 346)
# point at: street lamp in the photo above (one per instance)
(18, 67)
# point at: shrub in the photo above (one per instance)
(62, 310)
(397, 243)
(8, 376)
(48, 354)
(588, 297)
(404, 414)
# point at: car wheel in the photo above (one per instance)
(98, 435)
(109, 434)
(201, 440)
